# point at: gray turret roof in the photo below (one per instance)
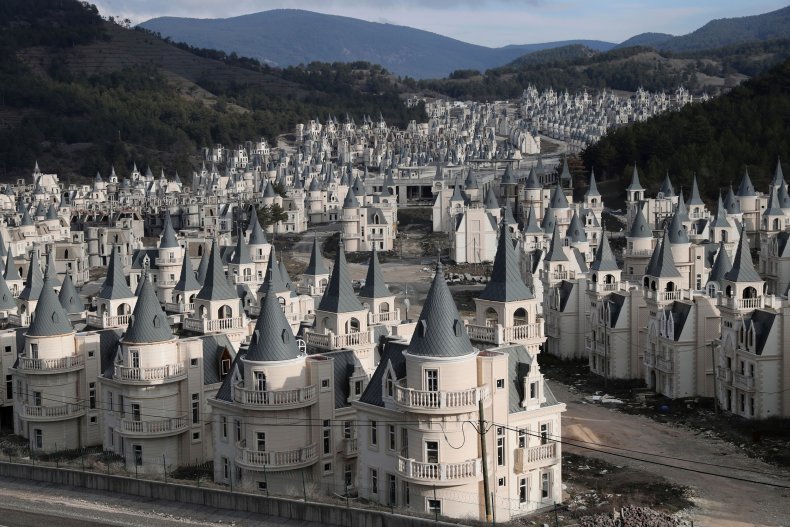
(148, 323)
(471, 180)
(507, 177)
(374, 287)
(666, 187)
(268, 191)
(532, 226)
(635, 184)
(505, 284)
(274, 280)
(564, 175)
(286, 277)
(314, 185)
(575, 232)
(731, 204)
(556, 254)
(216, 285)
(746, 188)
(695, 197)
(457, 195)
(187, 281)
(558, 199)
(592, 191)
(774, 206)
(350, 201)
(742, 266)
(721, 265)
(52, 213)
(69, 297)
(11, 272)
(50, 318)
(35, 279)
(532, 182)
(662, 263)
(3, 251)
(676, 232)
(203, 267)
(439, 174)
(241, 255)
(639, 227)
(681, 209)
(6, 298)
(316, 265)
(778, 175)
(440, 332)
(169, 239)
(50, 271)
(115, 285)
(720, 220)
(339, 296)
(257, 236)
(604, 257)
(491, 202)
(272, 339)
(549, 220)
(26, 220)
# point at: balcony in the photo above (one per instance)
(158, 374)
(71, 362)
(640, 253)
(724, 374)
(310, 290)
(439, 401)
(389, 317)
(172, 307)
(665, 296)
(350, 447)
(601, 287)
(330, 341)
(482, 333)
(52, 413)
(589, 345)
(276, 399)
(276, 461)
(19, 320)
(108, 321)
(159, 428)
(537, 456)
(563, 275)
(741, 303)
(742, 382)
(207, 325)
(160, 262)
(650, 359)
(664, 365)
(440, 473)
(523, 332)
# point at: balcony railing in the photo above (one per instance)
(168, 372)
(19, 320)
(438, 473)
(160, 427)
(646, 253)
(742, 303)
(533, 330)
(108, 321)
(310, 290)
(283, 460)
(167, 261)
(276, 398)
(207, 325)
(664, 365)
(742, 381)
(51, 365)
(724, 374)
(173, 307)
(52, 413)
(499, 335)
(602, 287)
(350, 446)
(332, 341)
(389, 317)
(531, 457)
(665, 296)
(563, 275)
(431, 401)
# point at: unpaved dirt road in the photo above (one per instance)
(721, 501)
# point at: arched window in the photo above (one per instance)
(124, 309)
(492, 318)
(352, 326)
(225, 312)
(384, 307)
(520, 317)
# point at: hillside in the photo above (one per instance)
(285, 37)
(749, 126)
(653, 40)
(80, 94)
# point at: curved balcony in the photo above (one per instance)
(440, 473)
(207, 325)
(536, 456)
(108, 321)
(276, 399)
(330, 341)
(63, 364)
(276, 461)
(425, 401)
(159, 428)
(156, 374)
(52, 413)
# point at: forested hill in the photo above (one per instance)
(717, 140)
(79, 94)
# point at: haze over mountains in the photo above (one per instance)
(287, 37)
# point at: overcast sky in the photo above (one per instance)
(485, 22)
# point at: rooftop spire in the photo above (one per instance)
(604, 258)
(6, 298)
(115, 285)
(272, 339)
(440, 332)
(215, 285)
(695, 199)
(203, 267)
(592, 191)
(721, 265)
(316, 265)
(148, 323)
(556, 254)
(11, 272)
(639, 227)
(662, 263)
(339, 296)
(35, 280)
(49, 319)
(742, 266)
(635, 184)
(241, 255)
(374, 287)
(505, 284)
(187, 281)
(169, 239)
(575, 232)
(69, 297)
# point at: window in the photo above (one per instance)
(545, 485)
(533, 390)
(38, 439)
(238, 430)
(500, 383)
(432, 380)
(8, 349)
(193, 362)
(92, 395)
(328, 468)
(357, 388)
(390, 386)
(522, 490)
(324, 384)
(225, 468)
(522, 438)
(391, 436)
(223, 421)
(135, 411)
(406, 494)
(431, 451)
(544, 433)
(374, 481)
(9, 387)
(138, 455)
(260, 441)
(262, 486)
(224, 367)
(327, 437)
(36, 398)
(195, 408)
(134, 358)
(195, 436)
(121, 404)
(374, 435)
(501, 482)
(348, 475)
(346, 429)
(91, 353)
(33, 350)
(109, 401)
(393, 490)
(500, 446)
(260, 381)
(435, 506)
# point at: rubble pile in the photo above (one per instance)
(631, 516)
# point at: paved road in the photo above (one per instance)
(721, 501)
(34, 504)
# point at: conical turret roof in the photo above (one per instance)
(742, 269)
(216, 285)
(662, 263)
(635, 184)
(285, 276)
(69, 297)
(721, 265)
(241, 255)
(11, 272)
(169, 239)
(50, 271)
(35, 279)
(676, 232)
(746, 188)
(592, 191)
(203, 267)
(316, 264)
(639, 227)
(666, 187)
(695, 197)
(549, 220)
(532, 226)
(720, 220)
(187, 280)
(257, 236)
(49, 318)
(731, 204)
(274, 279)
(505, 284)
(115, 285)
(491, 202)
(558, 199)
(604, 257)
(272, 339)
(532, 182)
(440, 332)
(7, 301)
(339, 296)
(374, 287)
(350, 201)
(556, 254)
(575, 232)
(148, 323)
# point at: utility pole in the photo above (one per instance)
(486, 493)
